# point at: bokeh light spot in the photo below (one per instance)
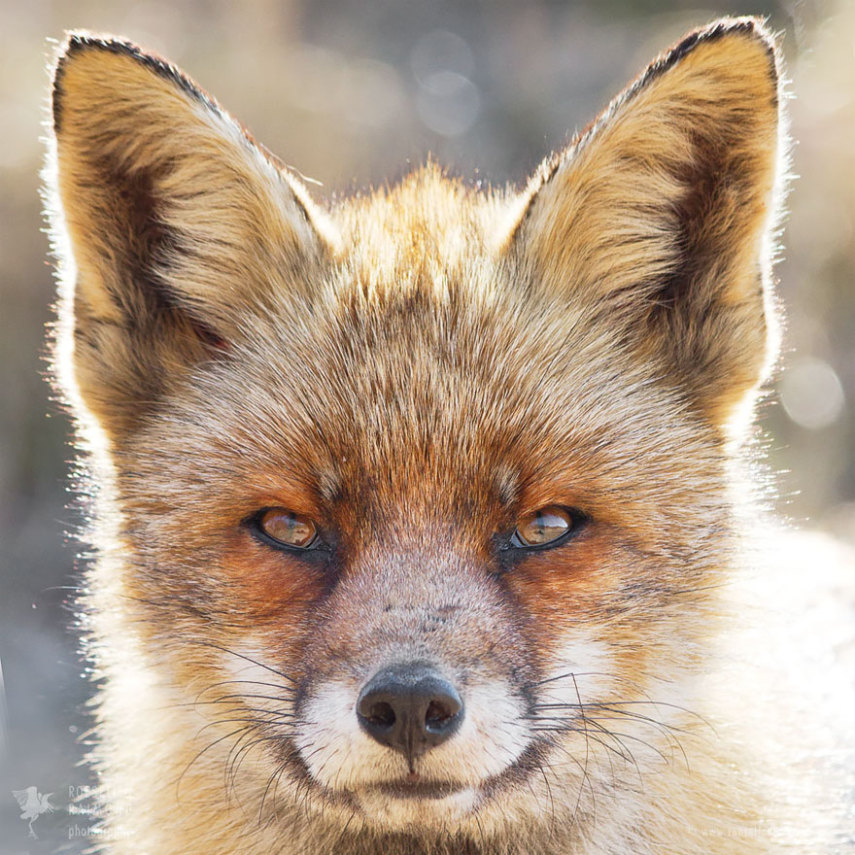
(812, 394)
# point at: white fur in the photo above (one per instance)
(340, 754)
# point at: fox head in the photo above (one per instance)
(412, 512)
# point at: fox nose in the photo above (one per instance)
(411, 708)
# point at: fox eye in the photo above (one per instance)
(281, 527)
(547, 527)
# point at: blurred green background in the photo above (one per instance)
(355, 92)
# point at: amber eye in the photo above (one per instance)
(285, 528)
(546, 527)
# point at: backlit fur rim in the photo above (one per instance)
(80, 41)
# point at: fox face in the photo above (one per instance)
(411, 513)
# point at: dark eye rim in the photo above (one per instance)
(579, 521)
(253, 524)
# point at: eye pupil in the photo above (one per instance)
(287, 528)
(544, 526)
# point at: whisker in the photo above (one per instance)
(616, 703)
(247, 719)
(586, 779)
(587, 750)
(203, 751)
(236, 757)
(231, 652)
(344, 830)
(270, 780)
(568, 675)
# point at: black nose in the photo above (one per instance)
(410, 708)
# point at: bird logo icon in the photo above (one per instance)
(33, 804)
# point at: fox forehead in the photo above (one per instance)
(427, 225)
(421, 365)
(419, 314)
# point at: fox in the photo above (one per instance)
(418, 516)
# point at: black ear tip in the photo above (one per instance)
(78, 42)
(750, 27)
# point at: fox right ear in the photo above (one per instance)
(659, 217)
(171, 227)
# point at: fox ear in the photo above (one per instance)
(171, 226)
(661, 214)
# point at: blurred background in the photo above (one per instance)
(355, 92)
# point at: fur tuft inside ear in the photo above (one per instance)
(663, 213)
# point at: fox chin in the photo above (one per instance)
(419, 520)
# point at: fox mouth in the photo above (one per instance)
(413, 788)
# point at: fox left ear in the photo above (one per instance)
(661, 215)
(175, 231)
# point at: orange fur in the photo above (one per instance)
(417, 370)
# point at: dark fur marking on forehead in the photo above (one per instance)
(329, 485)
(507, 485)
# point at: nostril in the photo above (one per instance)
(380, 714)
(410, 708)
(440, 713)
